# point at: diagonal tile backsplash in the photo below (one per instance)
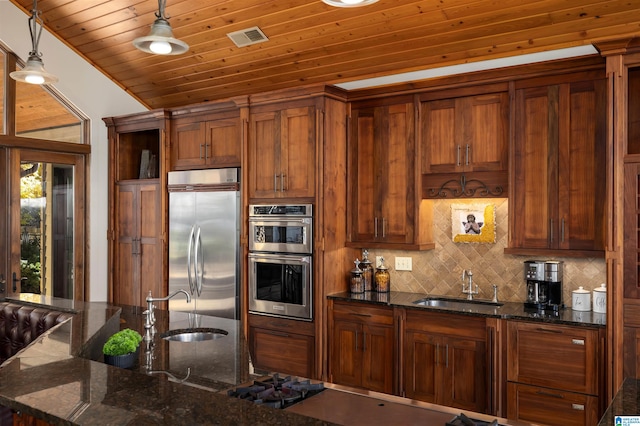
(439, 271)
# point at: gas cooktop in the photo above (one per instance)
(276, 391)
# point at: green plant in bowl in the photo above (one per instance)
(121, 349)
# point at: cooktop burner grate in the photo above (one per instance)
(276, 391)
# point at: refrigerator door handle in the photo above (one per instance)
(189, 262)
(198, 258)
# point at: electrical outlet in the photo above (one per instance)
(403, 263)
(378, 261)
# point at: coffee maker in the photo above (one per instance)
(544, 285)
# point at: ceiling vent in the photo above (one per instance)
(246, 37)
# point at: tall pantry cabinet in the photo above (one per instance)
(137, 224)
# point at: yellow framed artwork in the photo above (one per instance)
(473, 222)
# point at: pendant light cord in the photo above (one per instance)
(34, 31)
(160, 13)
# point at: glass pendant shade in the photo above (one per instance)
(34, 72)
(160, 40)
(349, 3)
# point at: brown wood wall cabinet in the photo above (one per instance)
(559, 160)
(555, 373)
(446, 360)
(362, 347)
(385, 209)
(137, 202)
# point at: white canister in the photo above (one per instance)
(581, 300)
(600, 299)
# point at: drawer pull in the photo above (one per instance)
(579, 407)
(578, 342)
(554, 395)
(360, 315)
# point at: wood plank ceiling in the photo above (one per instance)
(311, 42)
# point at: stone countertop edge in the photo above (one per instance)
(508, 310)
(626, 402)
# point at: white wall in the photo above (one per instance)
(96, 96)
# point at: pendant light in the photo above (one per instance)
(349, 3)
(34, 72)
(160, 40)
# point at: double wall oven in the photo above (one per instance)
(280, 260)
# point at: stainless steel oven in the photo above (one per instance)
(280, 260)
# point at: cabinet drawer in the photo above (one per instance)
(560, 357)
(550, 407)
(370, 314)
(282, 352)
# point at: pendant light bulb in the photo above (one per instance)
(160, 40)
(33, 71)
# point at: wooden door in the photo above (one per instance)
(464, 379)
(224, 142)
(150, 243)
(534, 169)
(422, 372)
(346, 353)
(581, 165)
(486, 131)
(297, 152)
(264, 155)
(377, 358)
(188, 145)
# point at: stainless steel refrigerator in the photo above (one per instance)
(204, 233)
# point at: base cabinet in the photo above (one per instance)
(282, 345)
(362, 347)
(445, 360)
(558, 387)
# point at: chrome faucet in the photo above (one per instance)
(150, 318)
(469, 290)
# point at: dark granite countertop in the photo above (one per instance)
(508, 310)
(625, 403)
(60, 378)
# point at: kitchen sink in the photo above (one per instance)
(455, 303)
(193, 334)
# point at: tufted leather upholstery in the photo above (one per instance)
(20, 325)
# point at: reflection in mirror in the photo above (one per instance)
(46, 229)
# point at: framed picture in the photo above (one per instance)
(473, 223)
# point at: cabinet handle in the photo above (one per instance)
(282, 188)
(15, 280)
(206, 150)
(562, 230)
(458, 157)
(360, 315)
(467, 156)
(446, 358)
(356, 340)
(384, 225)
(277, 333)
(579, 407)
(548, 330)
(375, 227)
(554, 395)
(578, 342)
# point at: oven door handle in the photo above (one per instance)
(189, 259)
(198, 258)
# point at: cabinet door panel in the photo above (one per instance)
(533, 179)
(297, 156)
(465, 384)
(150, 245)
(396, 165)
(264, 155)
(346, 353)
(422, 375)
(363, 166)
(224, 142)
(377, 353)
(126, 291)
(439, 128)
(581, 166)
(188, 145)
(486, 132)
